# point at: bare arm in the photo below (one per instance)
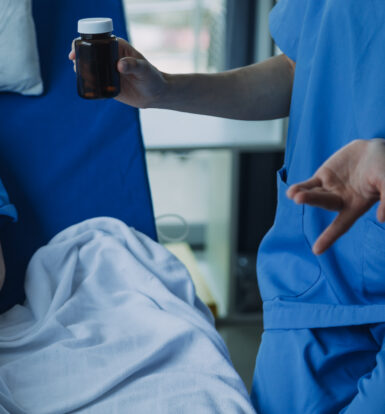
(258, 92)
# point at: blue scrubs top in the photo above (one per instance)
(338, 96)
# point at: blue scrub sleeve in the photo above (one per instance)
(7, 210)
(286, 21)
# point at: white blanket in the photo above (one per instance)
(111, 324)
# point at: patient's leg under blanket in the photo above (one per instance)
(112, 324)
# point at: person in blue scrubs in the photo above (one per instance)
(7, 214)
(323, 348)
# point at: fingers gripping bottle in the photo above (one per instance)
(97, 55)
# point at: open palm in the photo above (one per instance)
(350, 182)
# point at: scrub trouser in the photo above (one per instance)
(321, 371)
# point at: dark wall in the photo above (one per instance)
(257, 205)
(257, 197)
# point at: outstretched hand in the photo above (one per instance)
(350, 182)
(142, 84)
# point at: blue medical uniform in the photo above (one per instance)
(323, 349)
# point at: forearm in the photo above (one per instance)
(258, 92)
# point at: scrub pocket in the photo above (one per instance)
(374, 262)
(286, 266)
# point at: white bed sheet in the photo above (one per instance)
(112, 324)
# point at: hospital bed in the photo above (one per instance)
(64, 159)
(135, 342)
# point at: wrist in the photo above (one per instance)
(164, 98)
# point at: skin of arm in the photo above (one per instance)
(257, 92)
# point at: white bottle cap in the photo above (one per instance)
(96, 25)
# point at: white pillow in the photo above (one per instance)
(19, 57)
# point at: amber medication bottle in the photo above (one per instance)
(96, 59)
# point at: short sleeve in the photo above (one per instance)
(7, 210)
(286, 24)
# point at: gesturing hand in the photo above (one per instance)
(350, 182)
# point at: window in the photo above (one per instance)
(193, 185)
(179, 36)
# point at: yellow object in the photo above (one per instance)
(184, 253)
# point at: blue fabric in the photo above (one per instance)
(7, 210)
(112, 324)
(321, 371)
(64, 159)
(338, 96)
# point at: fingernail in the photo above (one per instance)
(316, 250)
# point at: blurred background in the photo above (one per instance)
(179, 35)
(212, 180)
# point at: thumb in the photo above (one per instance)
(131, 66)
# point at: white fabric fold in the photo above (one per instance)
(112, 324)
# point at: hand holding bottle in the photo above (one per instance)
(142, 85)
